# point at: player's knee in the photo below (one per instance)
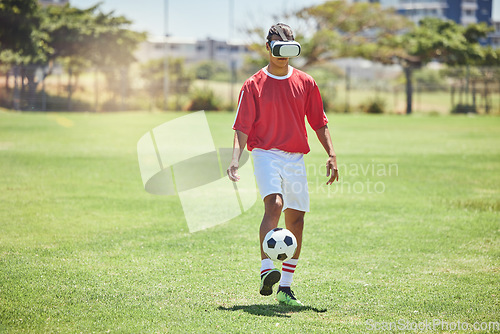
(273, 204)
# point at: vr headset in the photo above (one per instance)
(284, 48)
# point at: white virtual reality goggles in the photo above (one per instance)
(284, 49)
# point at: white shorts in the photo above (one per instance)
(279, 172)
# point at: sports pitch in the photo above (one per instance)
(408, 238)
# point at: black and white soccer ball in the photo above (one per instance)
(279, 244)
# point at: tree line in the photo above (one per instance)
(337, 29)
(34, 37)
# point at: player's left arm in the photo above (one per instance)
(331, 164)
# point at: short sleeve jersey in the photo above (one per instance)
(272, 110)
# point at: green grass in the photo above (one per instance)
(410, 234)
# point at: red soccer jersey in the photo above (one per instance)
(272, 110)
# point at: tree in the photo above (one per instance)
(442, 40)
(20, 40)
(22, 44)
(337, 29)
(32, 37)
(112, 49)
(365, 30)
(340, 29)
(84, 38)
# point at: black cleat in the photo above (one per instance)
(267, 280)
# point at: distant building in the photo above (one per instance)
(470, 11)
(484, 12)
(417, 10)
(461, 11)
(495, 36)
(53, 2)
(192, 50)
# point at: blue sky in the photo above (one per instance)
(206, 18)
(198, 18)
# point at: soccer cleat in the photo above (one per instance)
(286, 297)
(267, 280)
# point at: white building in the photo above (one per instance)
(192, 50)
(417, 10)
(495, 36)
(463, 12)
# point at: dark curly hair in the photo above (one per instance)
(284, 27)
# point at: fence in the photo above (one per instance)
(121, 89)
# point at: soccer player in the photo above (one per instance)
(270, 120)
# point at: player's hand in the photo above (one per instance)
(332, 170)
(232, 171)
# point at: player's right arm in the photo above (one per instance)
(240, 140)
(243, 122)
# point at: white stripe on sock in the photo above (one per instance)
(266, 264)
(287, 271)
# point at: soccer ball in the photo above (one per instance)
(279, 244)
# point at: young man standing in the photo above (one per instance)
(270, 121)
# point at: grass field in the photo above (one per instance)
(410, 236)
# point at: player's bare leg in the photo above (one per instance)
(294, 221)
(273, 204)
(269, 275)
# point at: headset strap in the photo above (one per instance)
(282, 33)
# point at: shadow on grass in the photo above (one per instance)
(271, 310)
